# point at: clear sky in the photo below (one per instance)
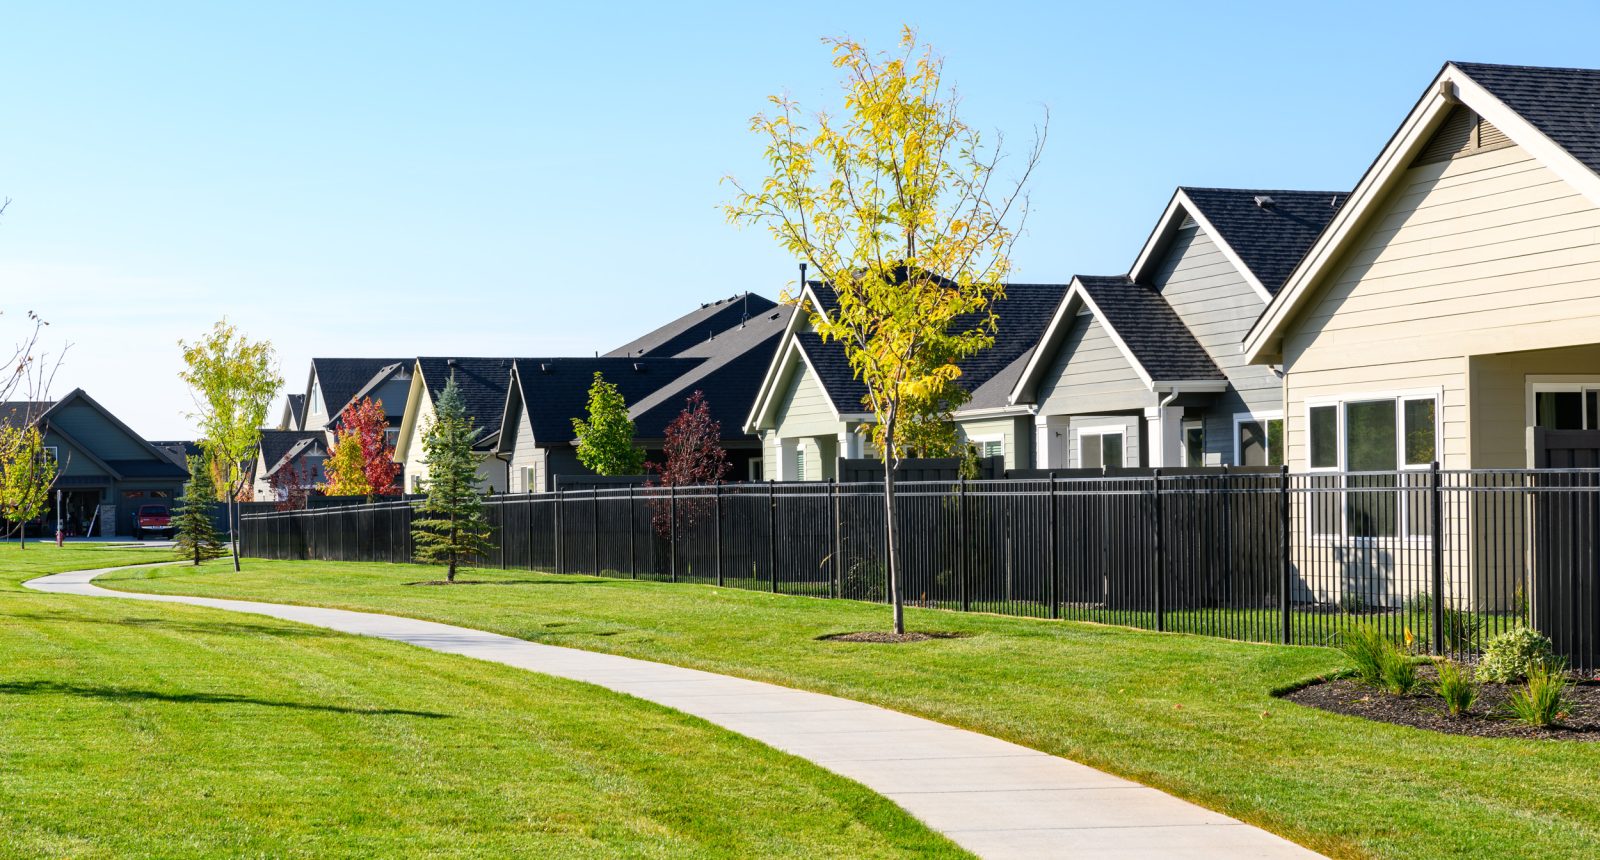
(483, 179)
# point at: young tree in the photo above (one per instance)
(233, 381)
(27, 472)
(196, 537)
(893, 206)
(694, 455)
(361, 462)
(291, 487)
(450, 527)
(605, 441)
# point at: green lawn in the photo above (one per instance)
(1187, 714)
(145, 730)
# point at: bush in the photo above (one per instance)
(1379, 662)
(1511, 655)
(865, 580)
(1460, 629)
(1543, 700)
(1457, 687)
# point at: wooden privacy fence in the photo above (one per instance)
(1444, 558)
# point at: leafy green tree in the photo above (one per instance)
(605, 441)
(450, 527)
(26, 474)
(196, 536)
(897, 204)
(233, 381)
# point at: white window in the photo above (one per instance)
(800, 461)
(1368, 439)
(50, 454)
(755, 469)
(988, 446)
(527, 479)
(1194, 443)
(1100, 447)
(1258, 439)
(1571, 403)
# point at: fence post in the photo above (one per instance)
(633, 543)
(772, 534)
(716, 527)
(962, 570)
(1288, 561)
(557, 519)
(1054, 568)
(594, 526)
(672, 531)
(838, 540)
(1161, 555)
(1438, 558)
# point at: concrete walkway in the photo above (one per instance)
(996, 799)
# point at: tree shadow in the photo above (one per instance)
(218, 628)
(125, 694)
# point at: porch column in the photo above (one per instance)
(1164, 435)
(1043, 441)
(783, 470)
(850, 445)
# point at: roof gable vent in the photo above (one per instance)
(1462, 133)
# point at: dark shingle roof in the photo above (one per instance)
(163, 468)
(297, 408)
(180, 450)
(1271, 240)
(735, 364)
(341, 378)
(1564, 104)
(556, 390)
(1022, 316)
(1149, 326)
(482, 383)
(696, 327)
(276, 444)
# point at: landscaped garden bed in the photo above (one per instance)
(1425, 709)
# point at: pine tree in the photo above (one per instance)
(450, 527)
(605, 441)
(196, 535)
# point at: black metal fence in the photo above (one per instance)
(1443, 559)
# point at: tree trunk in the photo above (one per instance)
(890, 460)
(22, 535)
(233, 531)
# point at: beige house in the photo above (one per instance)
(809, 412)
(482, 383)
(1453, 303)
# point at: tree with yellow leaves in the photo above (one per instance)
(892, 203)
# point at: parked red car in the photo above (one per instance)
(152, 519)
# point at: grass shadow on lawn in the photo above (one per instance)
(215, 628)
(126, 694)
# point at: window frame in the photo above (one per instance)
(988, 439)
(1555, 384)
(1100, 431)
(1184, 427)
(1340, 402)
(1265, 419)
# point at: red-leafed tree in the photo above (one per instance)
(694, 456)
(361, 461)
(291, 485)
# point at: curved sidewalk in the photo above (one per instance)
(996, 799)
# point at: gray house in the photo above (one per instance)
(107, 471)
(1144, 369)
(335, 383)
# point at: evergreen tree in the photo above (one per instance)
(450, 526)
(196, 534)
(605, 441)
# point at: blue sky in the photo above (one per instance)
(506, 179)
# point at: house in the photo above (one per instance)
(335, 383)
(810, 411)
(107, 471)
(1452, 306)
(696, 327)
(482, 383)
(1144, 369)
(294, 412)
(299, 455)
(546, 394)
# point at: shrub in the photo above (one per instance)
(1399, 671)
(1457, 687)
(1365, 646)
(1543, 700)
(864, 580)
(1510, 655)
(1460, 629)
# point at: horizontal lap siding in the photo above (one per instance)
(1015, 433)
(1091, 374)
(1218, 305)
(805, 410)
(1485, 254)
(1499, 399)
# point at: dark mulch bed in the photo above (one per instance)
(1424, 709)
(889, 638)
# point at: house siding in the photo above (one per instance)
(1090, 374)
(1218, 306)
(804, 409)
(1487, 253)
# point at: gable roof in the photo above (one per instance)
(159, 463)
(339, 380)
(281, 447)
(553, 391)
(294, 408)
(696, 327)
(730, 376)
(482, 383)
(1551, 113)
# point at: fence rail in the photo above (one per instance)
(1445, 559)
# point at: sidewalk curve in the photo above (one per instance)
(994, 798)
